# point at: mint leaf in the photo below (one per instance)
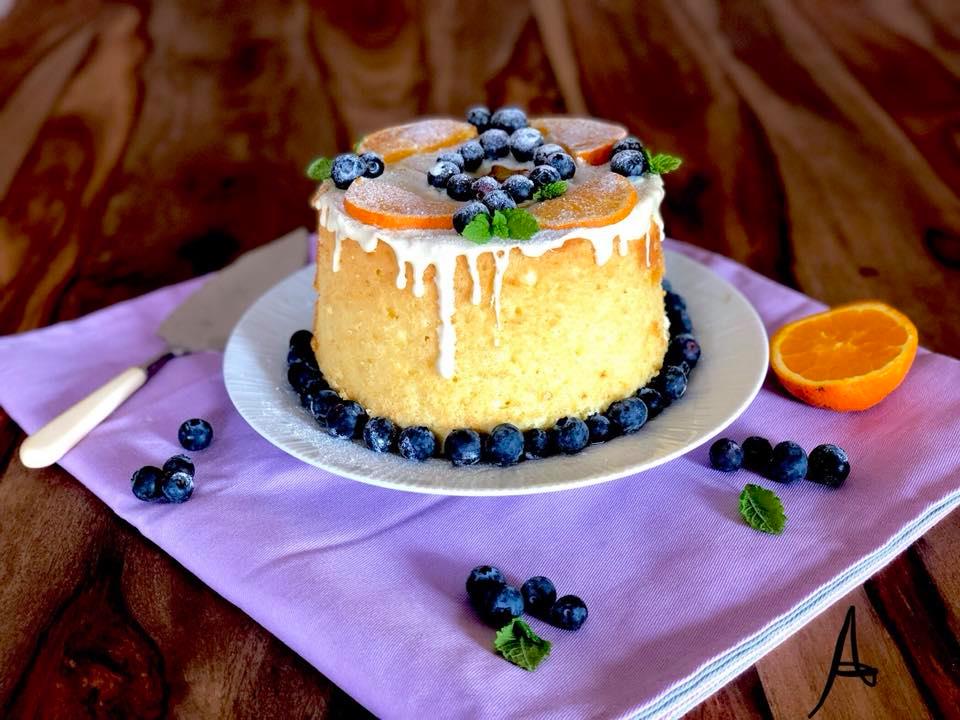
(357, 144)
(519, 644)
(762, 510)
(661, 163)
(551, 190)
(498, 226)
(478, 229)
(319, 169)
(521, 225)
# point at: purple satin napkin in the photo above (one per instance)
(367, 583)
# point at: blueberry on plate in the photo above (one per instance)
(460, 187)
(302, 339)
(509, 119)
(179, 463)
(519, 187)
(628, 415)
(683, 348)
(373, 165)
(452, 156)
(311, 388)
(653, 400)
(417, 443)
(380, 435)
(298, 375)
(479, 117)
(541, 154)
(563, 164)
(538, 443)
(544, 175)
(539, 595)
(572, 435)
(523, 142)
(177, 486)
(147, 482)
(757, 453)
(463, 216)
(628, 143)
(495, 144)
(195, 434)
(302, 354)
(320, 404)
(600, 427)
(498, 605)
(828, 465)
(667, 286)
(504, 446)
(440, 173)
(788, 462)
(462, 447)
(680, 322)
(568, 612)
(485, 185)
(472, 153)
(498, 200)
(726, 455)
(671, 382)
(346, 168)
(482, 577)
(673, 301)
(629, 163)
(346, 420)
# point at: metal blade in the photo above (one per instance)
(204, 321)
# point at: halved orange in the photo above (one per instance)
(396, 200)
(590, 140)
(602, 200)
(400, 141)
(847, 358)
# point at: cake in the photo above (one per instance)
(446, 303)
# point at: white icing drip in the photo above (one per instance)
(442, 248)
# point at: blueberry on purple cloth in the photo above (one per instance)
(544, 175)
(628, 415)
(472, 153)
(600, 427)
(524, 141)
(417, 443)
(380, 435)
(495, 143)
(537, 443)
(568, 612)
(726, 455)
(179, 463)
(177, 486)
(653, 400)
(479, 117)
(628, 143)
(519, 187)
(563, 164)
(788, 462)
(539, 595)
(346, 420)
(828, 465)
(195, 434)
(463, 447)
(629, 163)
(509, 119)
(147, 482)
(463, 216)
(504, 445)
(482, 577)
(572, 435)
(498, 604)
(346, 168)
(373, 165)
(683, 348)
(460, 187)
(757, 453)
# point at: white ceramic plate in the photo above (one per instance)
(725, 381)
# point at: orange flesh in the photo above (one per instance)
(588, 139)
(384, 204)
(396, 143)
(602, 200)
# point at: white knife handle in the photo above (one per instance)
(51, 442)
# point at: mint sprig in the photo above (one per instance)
(319, 169)
(661, 163)
(512, 224)
(762, 509)
(518, 643)
(498, 224)
(551, 190)
(478, 229)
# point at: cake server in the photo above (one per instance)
(203, 322)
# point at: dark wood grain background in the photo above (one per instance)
(143, 143)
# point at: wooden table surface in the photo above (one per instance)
(143, 143)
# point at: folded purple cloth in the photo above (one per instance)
(367, 583)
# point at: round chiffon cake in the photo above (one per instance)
(419, 324)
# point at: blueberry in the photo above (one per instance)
(346, 419)
(572, 435)
(828, 465)
(630, 163)
(568, 612)
(498, 604)
(726, 455)
(299, 375)
(462, 447)
(788, 462)
(417, 443)
(440, 173)
(346, 168)
(177, 486)
(482, 577)
(544, 175)
(509, 119)
(463, 216)
(373, 165)
(472, 153)
(380, 435)
(683, 348)
(460, 186)
(519, 187)
(628, 143)
(680, 322)
(179, 463)
(538, 443)
(600, 428)
(539, 595)
(757, 453)
(311, 388)
(302, 340)
(498, 200)
(541, 154)
(628, 415)
(504, 446)
(484, 185)
(195, 434)
(452, 156)
(302, 353)
(653, 400)
(685, 369)
(673, 301)
(479, 117)
(667, 286)
(671, 383)
(146, 483)
(524, 141)
(495, 143)
(321, 403)
(563, 164)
